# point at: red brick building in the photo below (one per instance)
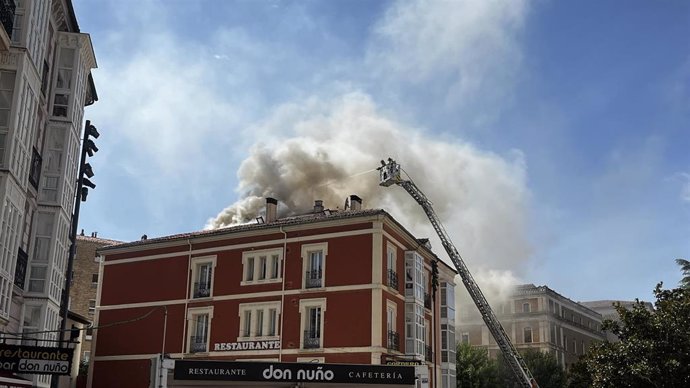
(325, 287)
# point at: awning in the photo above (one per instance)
(12, 381)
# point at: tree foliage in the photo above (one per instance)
(654, 347)
(685, 268)
(476, 370)
(545, 369)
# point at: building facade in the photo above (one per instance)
(607, 310)
(536, 317)
(83, 292)
(330, 287)
(45, 83)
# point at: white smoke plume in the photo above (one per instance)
(329, 150)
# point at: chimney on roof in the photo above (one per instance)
(271, 209)
(355, 202)
(82, 232)
(144, 237)
(318, 206)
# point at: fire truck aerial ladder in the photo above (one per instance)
(389, 174)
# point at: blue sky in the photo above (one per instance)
(552, 136)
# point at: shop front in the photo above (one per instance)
(203, 373)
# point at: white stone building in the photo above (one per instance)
(45, 83)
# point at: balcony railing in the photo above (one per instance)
(313, 279)
(312, 339)
(392, 279)
(428, 354)
(7, 9)
(393, 340)
(197, 344)
(202, 289)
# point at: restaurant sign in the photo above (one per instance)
(246, 345)
(293, 372)
(35, 359)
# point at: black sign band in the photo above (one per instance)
(35, 359)
(293, 372)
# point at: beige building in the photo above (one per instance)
(85, 283)
(608, 311)
(536, 317)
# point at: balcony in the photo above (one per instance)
(428, 354)
(312, 339)
(202, 289)
(197, 344)
(392, 279)
(393, 341)
(7, 9)
(313, 279)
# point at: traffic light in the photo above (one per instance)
(85, 169)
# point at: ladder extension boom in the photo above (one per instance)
(389, 174)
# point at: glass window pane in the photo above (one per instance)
(7, 80)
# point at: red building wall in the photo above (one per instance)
(128, 329)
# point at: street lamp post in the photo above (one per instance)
(83, 183)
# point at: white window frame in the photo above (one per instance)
(465, 338)
(304, 305)
(196, 264)
(306, 251)
(192, 313)
(392, 316)
(253, 310)
(392, 257)
(251, 264)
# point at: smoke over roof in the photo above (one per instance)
(329, 150)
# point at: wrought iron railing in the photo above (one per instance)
(313, 279)
(392, 279)
(312, 339)
(197, 344)
(202, 289)
(7, 9)
(393, 340)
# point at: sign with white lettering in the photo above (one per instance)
(293, 372)
(387, 359)
(246, 345)
(35, 359)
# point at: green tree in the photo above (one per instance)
(543, 366)
(654, 347)
(685, 268)
(474, 368)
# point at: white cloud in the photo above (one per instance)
(467, 49)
